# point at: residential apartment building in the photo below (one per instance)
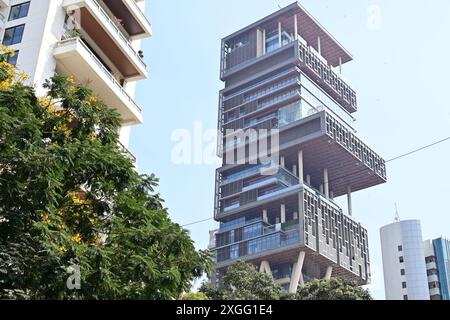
(437, 259)
(404, 267)
(95, 41)
(283, 77)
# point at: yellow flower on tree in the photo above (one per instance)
(76, 238)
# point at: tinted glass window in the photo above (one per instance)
(19, 11)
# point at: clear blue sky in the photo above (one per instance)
(401, 73)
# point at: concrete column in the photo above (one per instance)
(265, 267)
(265, 218)
(349, 201)
(264, 41)
(321, 188)
(279, 35)
(340, 65)
(325, 183)
(297, 273)
(328, 273)
(283, 213)
(295, 27)
(294, 169)
(260, 43)
(282, 162)
(319, 46)
(331, 195)
(300, 166)
(308, 179)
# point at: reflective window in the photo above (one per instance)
(19, 11)
(13, 35)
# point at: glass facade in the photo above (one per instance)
(254, 238)
(317, 98)
(442, 251)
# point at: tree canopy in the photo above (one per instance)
(243, 282)
(71, 197)
(333, 289)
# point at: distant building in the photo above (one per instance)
(405, 271)
(437, 258)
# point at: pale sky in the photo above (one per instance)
(400, 71)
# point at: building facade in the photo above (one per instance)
(437, 259)
(95, 41)
(284, 92)
(404, 267)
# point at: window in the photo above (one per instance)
(404, 285)
(400, 248)
(12, 59)
(405, 297)
(13, 35)
(19, 11)
(402, 272)
(401, 259)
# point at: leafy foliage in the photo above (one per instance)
(193, 296)
(333, 289)
(212, 292)
(243, 282)
(69, 195)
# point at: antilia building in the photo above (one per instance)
(95, 41)
(283, 74)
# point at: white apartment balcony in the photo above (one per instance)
(133, 18)
(101, 28)
(74, 58)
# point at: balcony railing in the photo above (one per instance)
(77, 40)
(326, 74)
(128, 152)
(141, 12)
(119, 33)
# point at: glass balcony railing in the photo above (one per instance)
(267, 242)
(256, 169)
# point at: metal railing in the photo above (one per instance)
(128, 152)
(117, 30)
(140, 10)
(73, 40)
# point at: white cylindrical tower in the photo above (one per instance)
(405, 276)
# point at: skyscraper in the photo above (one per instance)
(283, 82)
(402, 248)
(95, 41)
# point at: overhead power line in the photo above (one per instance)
(407, 154)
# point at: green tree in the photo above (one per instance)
(333, 289)
(192, 296)
(243, 282)
(70, 196)
(212, 292)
